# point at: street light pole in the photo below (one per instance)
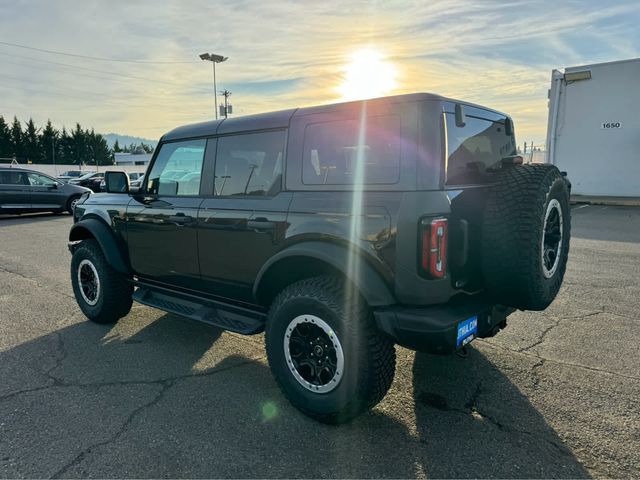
(215, 92)
(214, 58)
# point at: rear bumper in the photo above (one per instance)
(434, 329)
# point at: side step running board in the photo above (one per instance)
(232, 318)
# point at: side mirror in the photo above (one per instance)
(461, 118)
(508, 127)
(53, 186)
(116, 182)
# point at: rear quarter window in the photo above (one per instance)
(349, 152)
(476, 150)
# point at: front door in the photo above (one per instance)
(244, 223)
(162, 218)
(45, 192)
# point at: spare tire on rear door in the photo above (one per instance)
(525, 236)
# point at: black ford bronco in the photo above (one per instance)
(339, 230)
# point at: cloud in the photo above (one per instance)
(285, 54)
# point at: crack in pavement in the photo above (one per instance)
(57, 382)
(33, 280)
(165, 385)
(471, 408)
(82, 455)
(558, 362)
(545, 332)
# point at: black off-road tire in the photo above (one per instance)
(114, 295)
(369, 357)
(512, 238)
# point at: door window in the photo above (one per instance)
(35, 179)
(250, 164)
(13, 178)
(177, 169)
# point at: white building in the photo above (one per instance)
(593, 131)
(128, 159)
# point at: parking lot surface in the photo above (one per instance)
(556, 394)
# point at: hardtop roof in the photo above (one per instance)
(281, 118)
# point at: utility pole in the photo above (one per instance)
(214, 58)
(226, 109)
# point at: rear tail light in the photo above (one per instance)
(434, 247)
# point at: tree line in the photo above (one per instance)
(48, 145)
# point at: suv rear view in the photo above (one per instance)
(339, 230)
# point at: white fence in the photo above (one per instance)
(55, 170)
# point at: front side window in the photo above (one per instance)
(476, 149)
(177, 169)
(333, 151)
(249, 164)
(36, 179)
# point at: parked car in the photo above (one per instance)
(72, 174)
(133, 177)
(340, 230)
(90, 180)
(24, 191)
(138, 182)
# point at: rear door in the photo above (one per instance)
(244, 223)
(14, 191)
(162, 218)
(45, 192)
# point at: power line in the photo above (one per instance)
(89, 57)
(117, 77)
(67, 65)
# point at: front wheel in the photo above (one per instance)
(325, 352)
(71, 203)
(103, 294)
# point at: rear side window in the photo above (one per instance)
(476, 149)
(249, 164)
(13, 178)
(334, 150)
(177, 169)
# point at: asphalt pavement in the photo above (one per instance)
(555, 395)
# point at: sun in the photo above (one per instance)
(367, 75)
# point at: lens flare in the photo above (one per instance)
(367, 75)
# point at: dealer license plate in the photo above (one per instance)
(467, 330)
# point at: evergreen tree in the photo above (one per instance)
(102, 154)
(65, 150)
(49, 145)
(17, 148)
(116, 147)
(79, 149)
(31, 143)
(5, 140)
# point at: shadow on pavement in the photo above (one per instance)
(177, 399)
(16, 219)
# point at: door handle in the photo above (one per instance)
(261, 225)
(180, 219)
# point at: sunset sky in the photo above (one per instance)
(286, 54)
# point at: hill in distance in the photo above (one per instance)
(127, 140)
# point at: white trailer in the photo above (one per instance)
(593, 132)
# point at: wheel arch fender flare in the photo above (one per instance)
(368, 281)
(112, 248)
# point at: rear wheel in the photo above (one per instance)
(526, 233)
(325, 352)
(103, 294)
